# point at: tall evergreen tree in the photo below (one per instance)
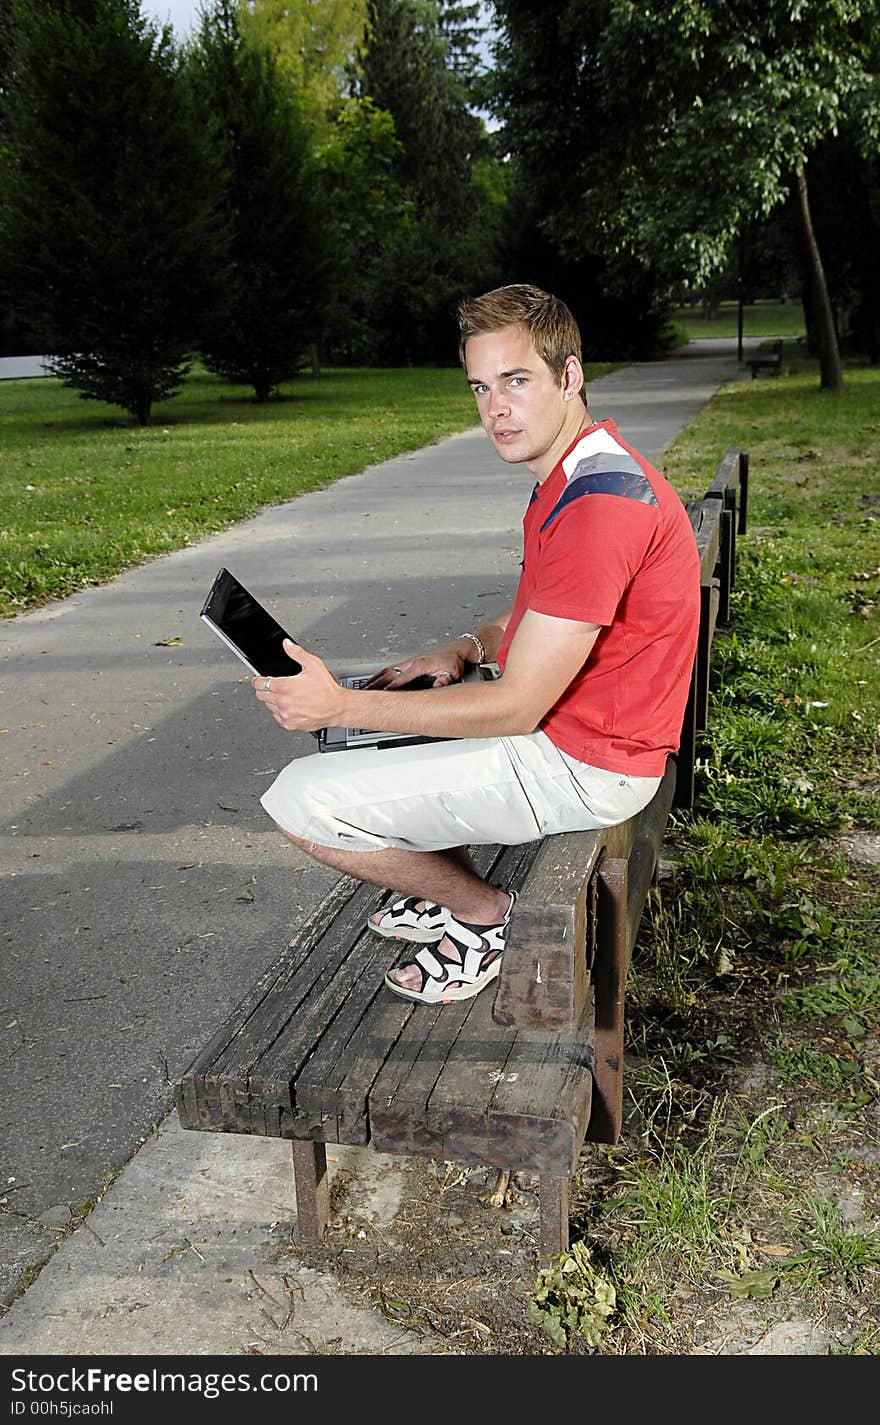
(365, 211)
(404, 66)
(462, 30)
(446, 245)
(106, 230)
(275, 272)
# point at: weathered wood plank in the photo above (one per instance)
(706, 524)
(238, 1046)
(742, 517)
(335, 1080)
(476, 1113)
(544, 1094)
(544, 976)
(645, 852)
(709, 601)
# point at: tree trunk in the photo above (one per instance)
(830, 369)
(314, 359)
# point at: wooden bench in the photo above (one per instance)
(319, 1052)
(769, 360)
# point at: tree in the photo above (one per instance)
(445, 247)
(107, 230)
(555, 132)
(274, 272)
(315, 44)
(403, 69)
(843, 179)
(365, 210)
(704, 118)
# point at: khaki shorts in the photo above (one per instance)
(435, 795)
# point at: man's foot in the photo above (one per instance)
(411, 919)
(465, 961)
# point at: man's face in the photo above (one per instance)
(524, 410)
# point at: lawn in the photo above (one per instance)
(85, 492)
(753, 1003)
(761, 319)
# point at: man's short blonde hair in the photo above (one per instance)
(554, 333)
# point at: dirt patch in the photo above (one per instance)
(862, 846)
(451, 1267)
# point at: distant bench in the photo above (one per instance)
(320, 1052)
(769, 360)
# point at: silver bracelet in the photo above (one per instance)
(479, 645)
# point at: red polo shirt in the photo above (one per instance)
(608, 541)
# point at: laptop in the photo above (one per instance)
(255, 637)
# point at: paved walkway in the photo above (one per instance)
(144, 890)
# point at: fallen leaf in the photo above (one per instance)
(395, 1310)
(173, 642)
(757, 1285)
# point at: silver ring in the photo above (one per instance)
(397, 670)
(267, 684)
(445, 674)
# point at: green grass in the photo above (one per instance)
(85, 492)
(752, 997)
(763, 319)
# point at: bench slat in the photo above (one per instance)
(338, 1074)
(499, 1096)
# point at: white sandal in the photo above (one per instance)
(445, 979)
(401, 921)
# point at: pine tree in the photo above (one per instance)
(445, 248)
(405, 70)
(106, 233)
(274, 279)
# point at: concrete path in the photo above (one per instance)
(144, 889)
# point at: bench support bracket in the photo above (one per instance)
(312, 1188)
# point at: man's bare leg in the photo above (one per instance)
(447, 877)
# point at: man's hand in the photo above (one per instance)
(442, 665)
(310, 700)
(446, 663)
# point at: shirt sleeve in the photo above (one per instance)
(588, 555)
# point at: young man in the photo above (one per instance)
(595, 655)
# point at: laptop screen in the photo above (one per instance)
(247, 628)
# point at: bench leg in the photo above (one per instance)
(609, 978)
(312, 1188)
(554, 1195)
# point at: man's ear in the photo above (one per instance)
(572, 378)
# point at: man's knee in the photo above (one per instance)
(310, 846)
